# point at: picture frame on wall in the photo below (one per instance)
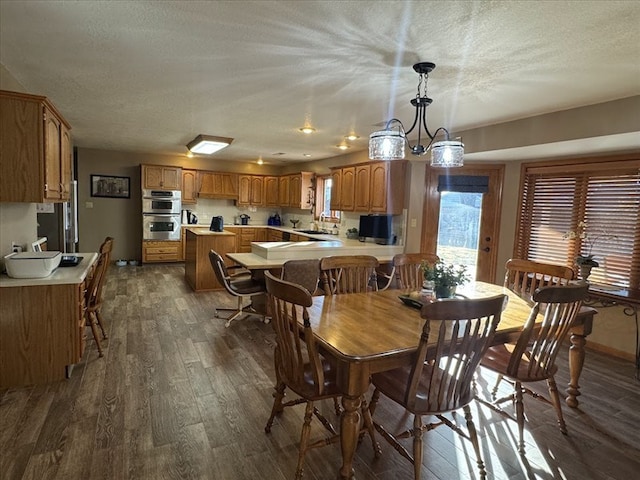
(110, 186)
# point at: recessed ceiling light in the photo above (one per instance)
(306, 154)
(343, 146)
(208, 144)
(308, 130)
(259, 162)
(351, 137)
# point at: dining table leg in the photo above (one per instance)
(349, 431)
(578, 338)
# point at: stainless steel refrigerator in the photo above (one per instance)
(59, 223)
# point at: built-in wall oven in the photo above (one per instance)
(161, 214)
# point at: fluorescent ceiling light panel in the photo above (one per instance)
(208, 144)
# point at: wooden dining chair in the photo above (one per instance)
(525, 276)
(302, 272)
(93, 294)
(299, 366)
(407, 270)
(348, 274)
(440, 379)
(532, 358)
(241, 286)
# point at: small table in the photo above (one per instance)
(387, 337)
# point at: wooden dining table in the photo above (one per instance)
(365, 333)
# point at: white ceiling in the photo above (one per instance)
(149, 76)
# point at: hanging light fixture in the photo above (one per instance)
(389, 144)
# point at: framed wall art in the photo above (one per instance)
(110, 186)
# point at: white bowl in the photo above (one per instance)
(32, 264)
(121, 263)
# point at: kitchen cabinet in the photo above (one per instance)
(154, 251)
(189, 189)
(251, 190)
(271, 197)
(373, 187)
(218, 185)
(343, 189)
(274, 235)
(35, 151)
(161, 178)
(283, 191)
(301, 194)
(42, 332)
(246, 235)
(197, 267)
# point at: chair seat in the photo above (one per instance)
(394, 383)
(497, 359)
(308, 389)
(247, 286)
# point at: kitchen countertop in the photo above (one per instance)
(196, 230)
(60, 276)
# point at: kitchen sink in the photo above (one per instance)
(310, 232)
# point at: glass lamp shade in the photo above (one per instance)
(386, 145)
(448, 153)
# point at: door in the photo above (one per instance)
(462, 217)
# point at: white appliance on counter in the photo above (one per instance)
(161, 214)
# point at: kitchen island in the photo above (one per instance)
(197, 267)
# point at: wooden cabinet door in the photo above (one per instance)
(295, 190)
(283, 191)
(336, 183)
(347, 189)
(379, 187)
(166, 178)
(271, 191)
(189, 190)
(66, 159)
(171, 178)
(361, 195)
(257, 190)
(151, 176)
(52, 172)
(229, 183)
(244, 190)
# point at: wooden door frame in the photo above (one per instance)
(490, 216)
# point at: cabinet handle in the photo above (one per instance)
(46, 187)
(62, 190)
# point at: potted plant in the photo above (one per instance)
(445, 277)
(352, 233)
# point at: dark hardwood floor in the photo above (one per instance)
(179, 396)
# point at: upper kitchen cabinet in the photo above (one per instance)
(251, 190)
(161, 178)
(35, 150)
(189, 186)
(218, 185)
(271, 191)
(373, 187)
(283, 190)
(343, 188)
(301, 194)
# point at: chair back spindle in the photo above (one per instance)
(348, 274)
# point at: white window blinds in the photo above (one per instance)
(605, 195)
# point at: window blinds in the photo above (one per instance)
(606, 195)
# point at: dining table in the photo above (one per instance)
(366, 333)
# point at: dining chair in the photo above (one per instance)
(525, 276)
(348, 274)
(440, 379)
(93, 294)
(300, 367)
(532, 358)
(241, 285)
(302, 272)
(406, 270)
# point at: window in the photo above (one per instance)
(323, 200)
(605, 194)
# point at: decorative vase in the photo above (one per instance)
(445, 291)
(585, 271)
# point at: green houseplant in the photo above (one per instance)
(445, 277)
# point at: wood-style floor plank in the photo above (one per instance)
(179, 396)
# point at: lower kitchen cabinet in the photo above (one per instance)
(197, 268)
(161, 251)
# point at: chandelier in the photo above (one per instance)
(389, 144)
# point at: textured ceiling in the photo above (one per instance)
(150, 76)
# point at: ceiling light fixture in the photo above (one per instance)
(307, 130)
(389, 144)
(342, 146)
(351, 137)
(208, 144)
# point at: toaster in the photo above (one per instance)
(217, 224)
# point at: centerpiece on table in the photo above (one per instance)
(444, 277)
(588, 240)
